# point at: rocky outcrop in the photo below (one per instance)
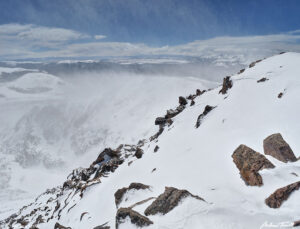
(207, 109)
(276, 146)
(135, 218)
(182, 101)
(106, 154)
(168, 200)
(138, 153)
(282, 194)
(121, 192)
(227, 84)
(249, 163)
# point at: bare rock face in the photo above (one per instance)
(280, 195)
(121, 192)
(135, 218)
(227, 84)
(276, 146)
(168, 200)
(249, 162)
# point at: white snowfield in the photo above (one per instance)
(199, 160)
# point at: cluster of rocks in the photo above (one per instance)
(77, 182)
(250, 162)
(171, 113)
(163, 204)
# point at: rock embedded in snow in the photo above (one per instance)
(59, 226)
(280, 195)
(165, 202)
(277, 147)
(138, 153)
(207, 109)
(227, 84)
(280, 95)
(264, 79)
(121, 192)
(254, 63)
(135, 218)
(249, 162)
(296, 223)
(241, 71)
(103, 226)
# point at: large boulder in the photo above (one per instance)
(119, 194)
(135, 218)
(249, 162)
(276, 146)
(165, 202)
(280, 195)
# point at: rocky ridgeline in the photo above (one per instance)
(64, 198)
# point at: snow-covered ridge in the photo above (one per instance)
(195, 159)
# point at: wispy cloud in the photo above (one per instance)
(99, 37)
(31, 41)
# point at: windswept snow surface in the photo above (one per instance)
(50, 125)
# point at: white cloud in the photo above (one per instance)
(99, 37)
(31, 41)
(32, 34)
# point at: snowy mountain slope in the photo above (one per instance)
(196, 159)
(49, 124)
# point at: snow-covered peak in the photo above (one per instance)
(263, 100)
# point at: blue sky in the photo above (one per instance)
(153, 23)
